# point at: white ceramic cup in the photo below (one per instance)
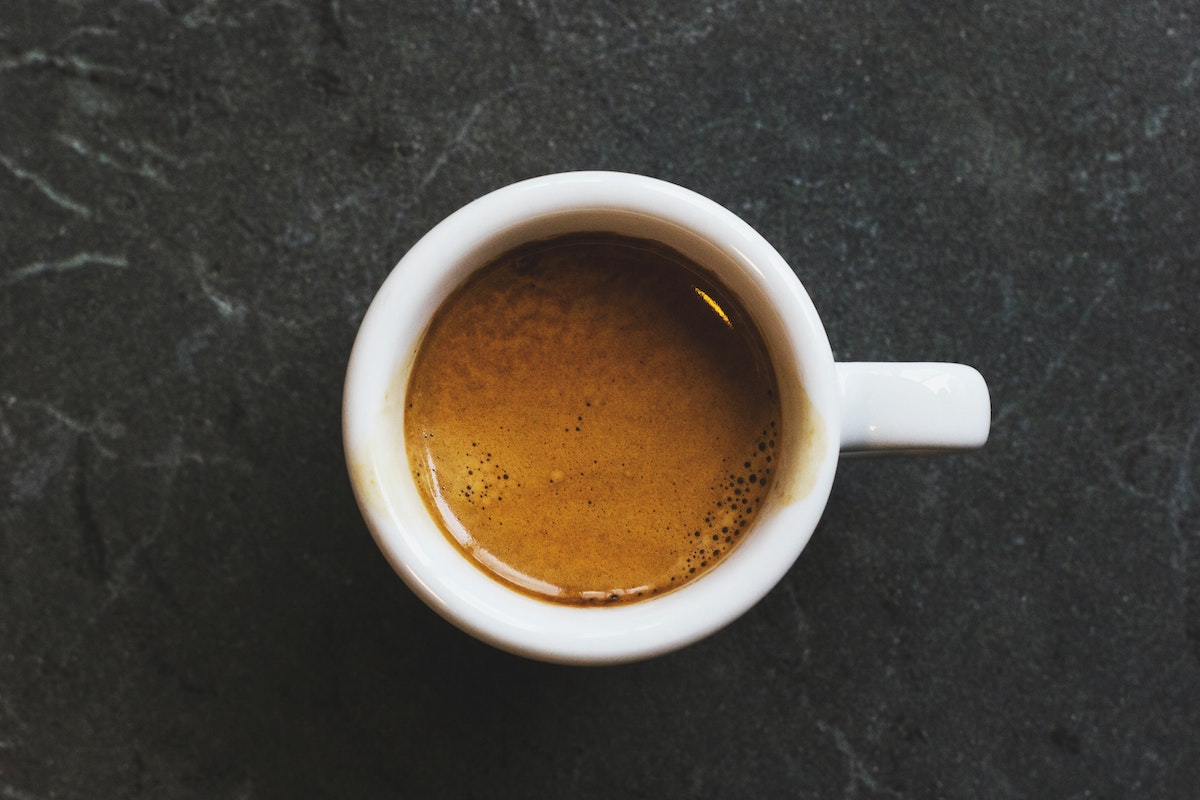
(828, 409)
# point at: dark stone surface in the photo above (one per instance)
(198, 199)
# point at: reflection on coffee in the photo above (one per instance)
(593, 419)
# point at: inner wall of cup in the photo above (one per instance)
(804, 440)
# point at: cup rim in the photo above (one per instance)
(414, 543)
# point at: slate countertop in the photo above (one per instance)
(198, 199)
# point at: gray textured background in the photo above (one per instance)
(198, 199)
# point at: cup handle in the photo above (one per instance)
(912, 407)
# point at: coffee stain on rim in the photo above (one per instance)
(807, 438)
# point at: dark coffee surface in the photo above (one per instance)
(593, 419)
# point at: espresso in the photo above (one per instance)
(593, 419)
